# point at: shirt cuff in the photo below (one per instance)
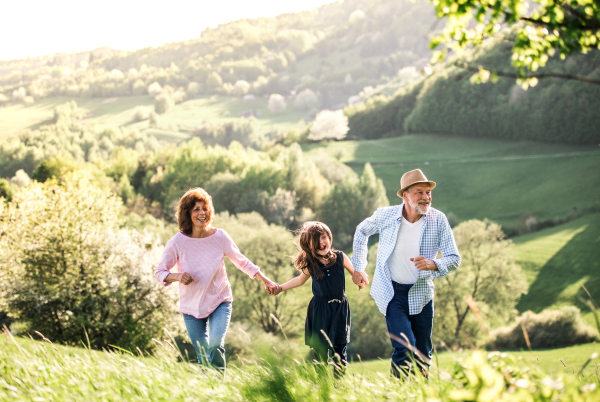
(443, 270)
(163, 276)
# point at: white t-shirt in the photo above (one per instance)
(402, 269)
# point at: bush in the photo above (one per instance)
(306, 100)
(548, 329)
(83, 276)
(164, 102)
(141, 113)
(277, 103)
(5, 190)
(154, 89)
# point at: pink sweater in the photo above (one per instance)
(203, 259)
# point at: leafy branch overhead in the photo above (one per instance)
(539, 29)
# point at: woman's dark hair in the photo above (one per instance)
(187, 204)
(306, 259)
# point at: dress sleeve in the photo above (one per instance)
(236, 257)
(168, 261)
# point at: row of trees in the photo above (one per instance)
(556, 110)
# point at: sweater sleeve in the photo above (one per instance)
(236, 257)
(168, 261)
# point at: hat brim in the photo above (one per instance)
(431, 186)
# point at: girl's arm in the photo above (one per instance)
(293, 283)
(350, 268)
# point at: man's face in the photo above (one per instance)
(419, 198)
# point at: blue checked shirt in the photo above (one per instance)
(436, 235)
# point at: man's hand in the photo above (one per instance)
(423, 264)
(185, 278)
(360, 278)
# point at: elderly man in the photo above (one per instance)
(410, 236)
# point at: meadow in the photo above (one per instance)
(174, 126)
(504, 181)
(38, 370)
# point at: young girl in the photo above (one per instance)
(328, 310)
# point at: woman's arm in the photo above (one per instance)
(350, 268)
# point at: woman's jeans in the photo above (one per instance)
(417, 328)
(208, 335)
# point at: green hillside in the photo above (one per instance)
(557, 261)
(503, 181)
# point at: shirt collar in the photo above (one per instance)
(401, 209)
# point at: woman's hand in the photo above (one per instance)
(182, 277)
(268, 283)
(275, 290)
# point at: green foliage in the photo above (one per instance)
(246, 131)
(362, 197)
(538, 34)
(549, 329)
(488, 274)
(55, 167)
(6, 191)
(269, 247)
(70, 273)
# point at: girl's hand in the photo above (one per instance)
(185, 278)
(275, 290)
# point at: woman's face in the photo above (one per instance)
(200, 215)
(324, 245)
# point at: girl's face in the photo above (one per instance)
(324, 245)
(200, 215)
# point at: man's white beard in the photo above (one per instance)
(421, 209)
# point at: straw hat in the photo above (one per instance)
(413, 177)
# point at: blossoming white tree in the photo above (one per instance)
(329, 125)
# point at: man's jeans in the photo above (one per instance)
(208, 335)
(417, 328)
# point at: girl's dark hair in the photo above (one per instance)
(187, 203)
(306, 259)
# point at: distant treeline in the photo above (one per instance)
(556, 110)
(336, 49)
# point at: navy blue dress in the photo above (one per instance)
(329, 309)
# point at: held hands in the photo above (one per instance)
(361, 279)
(423, 264)
(275, 289)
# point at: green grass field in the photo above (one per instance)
(546, 359)
(482, 178)
(557, 261)
(40, 371)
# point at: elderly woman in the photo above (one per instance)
(205, 297)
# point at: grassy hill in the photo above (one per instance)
(504, 181)
(173, 126)
(557, 261)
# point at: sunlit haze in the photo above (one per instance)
(36, 28)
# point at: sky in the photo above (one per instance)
(33, 28)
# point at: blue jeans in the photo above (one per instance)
(417, 328)
(208, 335)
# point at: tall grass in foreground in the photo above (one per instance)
(40, 371)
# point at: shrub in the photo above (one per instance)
(164, 102)
(83, 275)
(193, 88)
(548, 329)
(306, 100)
(241, 87)
(19, 94)
(141, 113)
(5, 190)
(276, 103)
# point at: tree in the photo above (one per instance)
(329, 125)
(269, 247)
(362, 197)
(154, 89)
(241, 87)
(277, 103)
(73, 273)
(306, 100)
(214, 82)
(164, 102)
(553, 27)
(488, 274)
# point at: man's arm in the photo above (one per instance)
(360, 246)
(451, 258)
